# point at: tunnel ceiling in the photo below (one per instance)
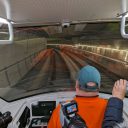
(91, 31)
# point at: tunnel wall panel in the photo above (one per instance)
(13, 75)
(114, 65)
(22, 68)
(17, 58)
(3, 79)
(28, 62)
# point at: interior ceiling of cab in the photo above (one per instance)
(41, 12)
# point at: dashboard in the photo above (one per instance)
(35, 111)
(39, 115)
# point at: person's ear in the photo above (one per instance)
(77, 85)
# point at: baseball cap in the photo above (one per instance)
(89, 74)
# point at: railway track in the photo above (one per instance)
(57, 71)
(107, 78)
(50, 72)
(60, 75)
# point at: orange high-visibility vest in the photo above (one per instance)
(91, 110)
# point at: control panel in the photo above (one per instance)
(39, 123)
(41, 113)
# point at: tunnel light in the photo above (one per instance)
(123, 14)
(12, 22)
(6, 21)
(113, 49)
(2, 20)
(4, 33)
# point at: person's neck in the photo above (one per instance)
(87, 94)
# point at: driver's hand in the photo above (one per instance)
(119, 89)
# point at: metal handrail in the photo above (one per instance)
(6, 4)
(124, 15)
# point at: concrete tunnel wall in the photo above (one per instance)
(16, 59)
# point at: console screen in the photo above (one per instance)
(43, 108)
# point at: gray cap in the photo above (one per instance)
(89, 74)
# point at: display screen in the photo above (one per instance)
(43, 108)
(71, 109)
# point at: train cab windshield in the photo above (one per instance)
(45, 43)
(45, 68)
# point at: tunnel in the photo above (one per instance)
(42, 59)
